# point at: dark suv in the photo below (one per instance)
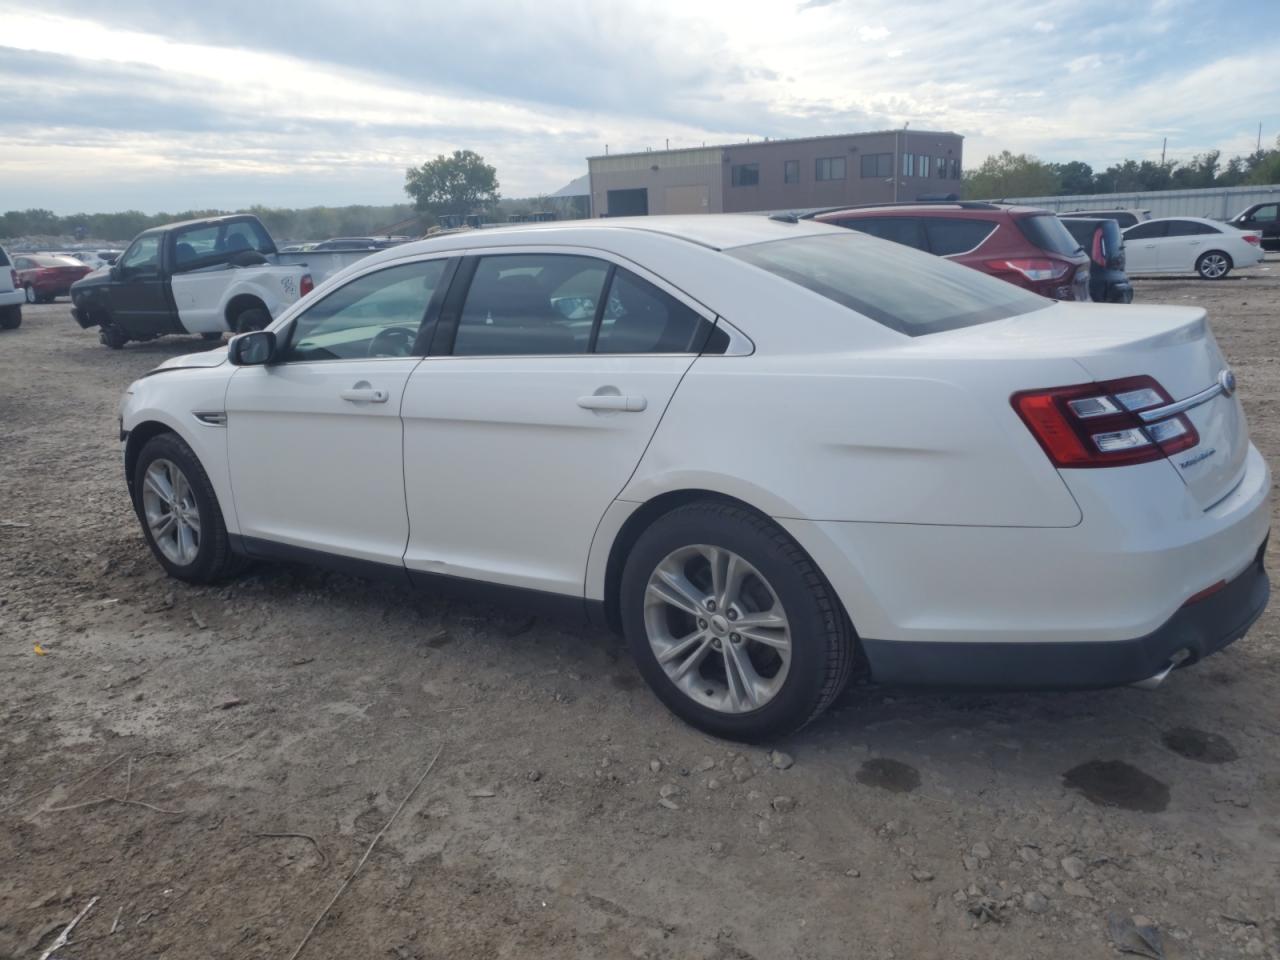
(1104, 243)
(1026, 246)
(1263, 217)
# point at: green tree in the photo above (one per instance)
(1011, 175)
(1074, 177)
(459, 184)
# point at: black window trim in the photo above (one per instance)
(427, 326)
(446, 325)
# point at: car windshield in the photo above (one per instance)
(1047, 232)
(911, 292)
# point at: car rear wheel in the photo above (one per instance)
(11, 318)
(731, 623)
(111, 336)
(255, 318)
(1213, 265)
(32, 296)
(179, 511)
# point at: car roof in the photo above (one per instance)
(203, 221)
(1212, 223)
(715, 231)
(957, 208)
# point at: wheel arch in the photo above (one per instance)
(239, 303)
(136, 440)
(644, 516)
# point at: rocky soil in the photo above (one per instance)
(212, 763)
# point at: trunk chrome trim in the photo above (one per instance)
(1182, 406)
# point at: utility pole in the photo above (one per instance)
(1164, 146)
(1259, 150)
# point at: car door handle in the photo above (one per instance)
(613, 401)
(364, 394)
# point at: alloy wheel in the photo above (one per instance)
(717, 628)
(173, 516)
(1213, 266)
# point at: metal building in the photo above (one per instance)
(778, 174)
(1216, 203)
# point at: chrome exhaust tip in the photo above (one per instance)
(1156, 679)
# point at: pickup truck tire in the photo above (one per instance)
(254, 318)
(11, 318)
(180, 516)
(111, 336)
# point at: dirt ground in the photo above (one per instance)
(264, 731)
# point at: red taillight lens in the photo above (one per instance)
(1032, 268)
(1098, 424)
(305, 285)
(1098, 256)
(1251, 238)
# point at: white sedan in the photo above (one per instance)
(770, 453)
(1190, 245)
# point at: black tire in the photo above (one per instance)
(823, 643)
(212, 335)
(214, 559)
(1203, 263)
(254, 318)
(11, 317)
(111, 336)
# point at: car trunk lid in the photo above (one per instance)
(1173, 345)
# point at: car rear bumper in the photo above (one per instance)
(1195, 631)
(11, 298)
(1096, 604)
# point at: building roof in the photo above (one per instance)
(579, 187)
(762, 142)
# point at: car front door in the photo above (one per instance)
(140, 302)
(314, 438)
(545, 383)
(1142, 246)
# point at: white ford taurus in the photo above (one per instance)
(770, 453)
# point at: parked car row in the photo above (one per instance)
(11, 294)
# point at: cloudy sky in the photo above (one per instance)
(166, 105)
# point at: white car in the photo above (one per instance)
(1190, 245)
(769, 452)
(11, 295)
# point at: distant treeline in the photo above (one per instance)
(313, 223)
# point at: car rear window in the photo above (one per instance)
(911, 292)
(1047, 232)
(4, 258)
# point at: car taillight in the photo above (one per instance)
(1098, 256)
(1098, 424)
(1033, 268)
(305, 285)
(1251, 238)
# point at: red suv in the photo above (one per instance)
(1023, 245)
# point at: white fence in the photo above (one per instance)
(1218, 203)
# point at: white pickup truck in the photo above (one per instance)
(200, 276)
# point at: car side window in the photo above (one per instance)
(904, 230)
(143, 256)
(1147, 230)
(951, 235)
(640, 318)
(1188, 228)
(22, 263)
(376, 315)
(1265, 214)
(530, 304)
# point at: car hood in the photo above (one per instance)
(206, 358)
(96, 278)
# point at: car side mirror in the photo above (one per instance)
(252, 349)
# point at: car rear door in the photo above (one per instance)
(547, 377)
(1142, 246)
(314, 439)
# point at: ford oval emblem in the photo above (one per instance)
(1227, 380)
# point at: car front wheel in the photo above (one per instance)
(181, 520)
(1213, 265)
(731, 623)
